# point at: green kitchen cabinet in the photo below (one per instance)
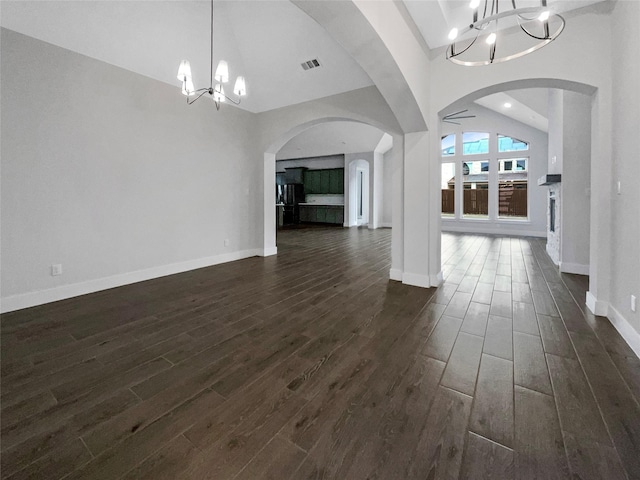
(330, 215)
(324, 182)
(321, 214)
(336, 181)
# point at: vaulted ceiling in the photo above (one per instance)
(264, 40)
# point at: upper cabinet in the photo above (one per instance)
(329, 181)
(294, 175)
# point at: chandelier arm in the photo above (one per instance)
(454, 54)
(204, 90)
(546, 29)
(235, 102)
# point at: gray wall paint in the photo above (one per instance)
(625, 208)
(387, 195)
(108, 172)
(576, 181)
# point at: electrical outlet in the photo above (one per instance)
(633, 303)
(56, 269)
(226, 242)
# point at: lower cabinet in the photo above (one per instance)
(322, 214)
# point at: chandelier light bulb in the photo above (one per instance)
(240, 88)
(187, 87)
(218, 94)
(184, 71)
(474, 4)
(222, 72)
(544, 16)
(491, 39)
(453, 34)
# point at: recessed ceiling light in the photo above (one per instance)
(507, 105)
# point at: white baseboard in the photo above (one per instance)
(574, 268)
(31, 299)
(626, 331)
(395, 274)
(596, 306)
(416, 280)
(266, 252)
(473, 227)
(385, 225)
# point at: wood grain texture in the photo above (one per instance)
(462, 367)
(499, 338)
(555, 337)
(439, 453)
(492, 413)
(529, 363)
(539, 448)
(486, 459)
(312, 365)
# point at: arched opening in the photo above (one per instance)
(359, 156)
(562, 204)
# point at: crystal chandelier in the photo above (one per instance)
(540, 25)
(221, 76)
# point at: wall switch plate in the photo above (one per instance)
(619, 187)
(226, 242)
(633, 303)
(56, 269)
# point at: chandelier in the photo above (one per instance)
(221, 76)
(477, 44)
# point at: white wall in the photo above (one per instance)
(112, 175)
(387, 194)
(576, 181)
(625, 207)
(494, 123)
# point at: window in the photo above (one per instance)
(448, 185)
(512, 189)
(505, 191)
(475, 184)
(510, 144)
(474, 143)
(448, 143)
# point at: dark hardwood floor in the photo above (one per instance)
(313, 365)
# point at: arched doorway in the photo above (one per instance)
(598, 188)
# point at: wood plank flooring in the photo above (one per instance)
(313, 365)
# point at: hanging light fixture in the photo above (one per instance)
(540, 25)
(221, 76)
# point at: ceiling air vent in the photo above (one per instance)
(309, 64)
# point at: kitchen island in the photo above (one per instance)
(322, 213)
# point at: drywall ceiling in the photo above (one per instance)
(436, 18)
(528, 106)
(331, 139)
(264, 40)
